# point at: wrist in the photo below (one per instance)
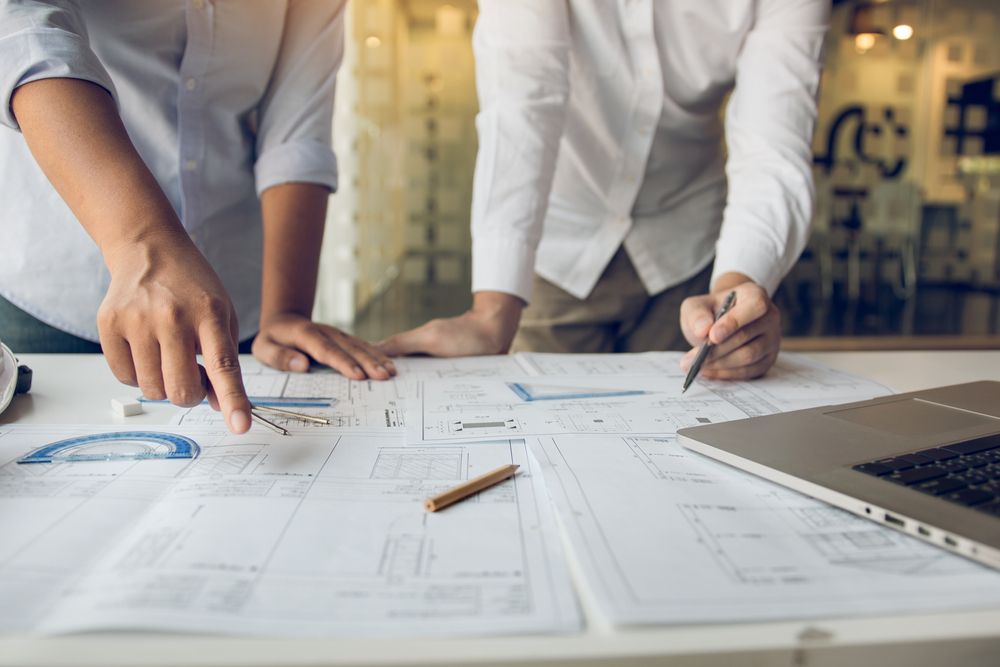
(497, 305)
(499, 314)
(727, 281)
(274, 317)
(281, 305)
(151, 244)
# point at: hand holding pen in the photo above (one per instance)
(707, 346)
(745, 339)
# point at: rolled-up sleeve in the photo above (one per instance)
(769, 126)
(522, 76)
(296, 114)
(44, 40)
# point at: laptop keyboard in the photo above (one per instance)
(966, 473)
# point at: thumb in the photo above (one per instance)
(403, 344)
(279, 356)
(697, 317)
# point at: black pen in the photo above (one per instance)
(706, 347)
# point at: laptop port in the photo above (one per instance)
(923, 531)
(950, 542)
(894, 521)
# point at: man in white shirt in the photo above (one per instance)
(601, 155)
(191, 141)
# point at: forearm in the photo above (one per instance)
(164, 303)
(503, 311)
(522, 53)
(294, 216)
(75, 134)
(770, 120)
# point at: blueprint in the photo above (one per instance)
(643, 363)
(430, 367)
(371, 406)
(719, 545)
(359, 406)
(315, 535)
(362, 406)
(482, 408)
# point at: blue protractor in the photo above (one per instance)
(127, 445)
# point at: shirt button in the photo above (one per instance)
(622, 219)
(191, 165)
(642, 129)
(190, 84)
(194, 237)
(198, 4)
(647, 72)
(630, 178)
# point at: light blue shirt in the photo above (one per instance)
(221, 98)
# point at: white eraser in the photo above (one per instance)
(126, 407)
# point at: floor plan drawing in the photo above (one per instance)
(487, 366)
(223, 460)
(719, 545)
(732, 537)
(471, 409)
(353, 405)
(315, 535)
(645, 363)
(402, 463)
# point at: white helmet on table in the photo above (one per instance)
(8, 376)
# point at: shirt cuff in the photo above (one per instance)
(31, 55)
(503, 265)
(302, 161)
(751, 257)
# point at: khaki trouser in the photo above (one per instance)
(618, 316)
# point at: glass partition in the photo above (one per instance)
(907, 169)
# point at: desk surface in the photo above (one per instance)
(78, 388)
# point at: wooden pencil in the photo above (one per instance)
(463, 491)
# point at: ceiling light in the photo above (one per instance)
(864, 41)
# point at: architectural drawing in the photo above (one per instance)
(719, 545)
(470, 409)
(646, 363)
(314, 535)
(400, 463)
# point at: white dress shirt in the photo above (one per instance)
(221, 98)
(599, 126)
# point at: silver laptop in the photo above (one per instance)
(926, 463)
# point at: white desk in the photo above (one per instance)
(78, 389)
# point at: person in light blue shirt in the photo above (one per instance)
(164, 174)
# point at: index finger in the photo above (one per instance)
(750, 306)
(222, 365)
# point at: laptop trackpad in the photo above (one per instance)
(913, 417)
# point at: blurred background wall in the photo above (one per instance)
(397, 245)
(907, 166)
